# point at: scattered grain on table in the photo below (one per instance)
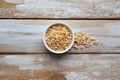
(82, 40)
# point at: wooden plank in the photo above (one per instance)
(25, 36)
(60, 9)
(60, 67)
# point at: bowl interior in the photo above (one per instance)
(58, 52)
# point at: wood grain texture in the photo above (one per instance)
(60, 67)
(25, 36)
(60, 9)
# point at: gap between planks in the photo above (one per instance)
(61, 18)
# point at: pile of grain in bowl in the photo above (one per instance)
(58, 37)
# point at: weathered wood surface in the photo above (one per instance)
(25, 36)
(60, 67)
(60, 9)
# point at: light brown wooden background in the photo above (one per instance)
(22, 53)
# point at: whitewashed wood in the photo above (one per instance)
(25, 36)
(60, 9)
(60, 67)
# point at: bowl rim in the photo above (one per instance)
(53, 51)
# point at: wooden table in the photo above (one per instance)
(24, 57)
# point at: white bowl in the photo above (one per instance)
(53, 51)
